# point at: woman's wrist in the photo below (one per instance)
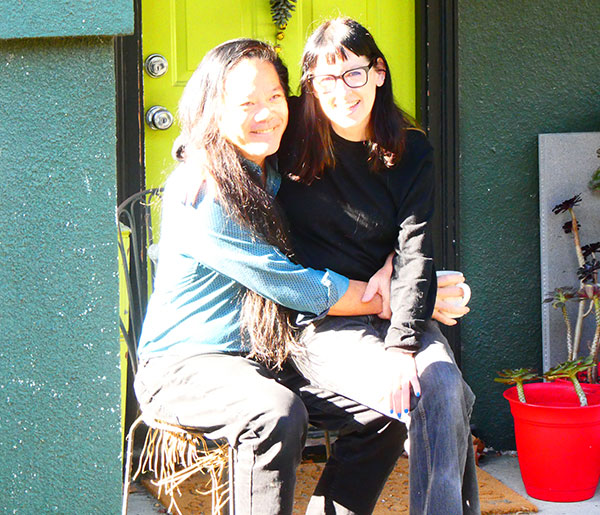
(351, 303)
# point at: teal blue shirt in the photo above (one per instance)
(206, 261)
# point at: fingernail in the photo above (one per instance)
(405, 411)
(418, 394)
(399, 415)
(391, 412)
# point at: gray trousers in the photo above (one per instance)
(264, 414)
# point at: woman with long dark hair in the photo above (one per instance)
(360, 183)
(217, 330)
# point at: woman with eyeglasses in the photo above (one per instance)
(216, 332)
(216, 336)
(360, 182)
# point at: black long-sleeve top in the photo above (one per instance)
(351, 218)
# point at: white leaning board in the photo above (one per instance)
(566, 163)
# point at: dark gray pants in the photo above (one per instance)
(264, 414)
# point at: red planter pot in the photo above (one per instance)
(558, 441)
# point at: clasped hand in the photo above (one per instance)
(444, 312)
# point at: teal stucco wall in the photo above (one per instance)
(46, 18)
(60, 431)
(524, 68)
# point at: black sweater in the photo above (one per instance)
(351, 218)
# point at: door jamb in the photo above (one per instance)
(130, 110)
(130, 144)
(437, 91)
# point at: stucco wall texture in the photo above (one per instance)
(60, 436)
(524, 68)
(47, 18)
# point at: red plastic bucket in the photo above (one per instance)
(558, 441)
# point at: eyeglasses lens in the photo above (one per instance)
(355, 78)
(352, 78)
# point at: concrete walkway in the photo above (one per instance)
(504, 468)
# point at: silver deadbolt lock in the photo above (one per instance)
(156, 65)
(159, 118)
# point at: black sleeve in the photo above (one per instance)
(414, 284)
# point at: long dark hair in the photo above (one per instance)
(207, 152)
(386, 129)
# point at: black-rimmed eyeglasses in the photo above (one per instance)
(354, 78)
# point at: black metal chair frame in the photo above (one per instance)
(135, 215)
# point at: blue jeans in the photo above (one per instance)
(264, 415)
(346, 355)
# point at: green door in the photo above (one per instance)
(184, 30)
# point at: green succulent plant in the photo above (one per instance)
(517, 376)
(587, 294)
(569, 370)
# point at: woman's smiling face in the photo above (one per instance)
(348, 109)
(254, 112)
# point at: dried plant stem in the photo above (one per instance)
(581, 309)
(521, 392)
(593, 372)
(578, 251)
(596, 340)
(578, 328)
(569, 332)
(579, 391)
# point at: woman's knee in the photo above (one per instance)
(292, 412)
(284, 415)
(443, 389)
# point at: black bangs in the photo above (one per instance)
(334, 39)
(337, 54)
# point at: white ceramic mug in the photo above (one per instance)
(458, 301)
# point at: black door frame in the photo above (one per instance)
(130, 145)
(130, 110)
(437, 91)
(437, 94)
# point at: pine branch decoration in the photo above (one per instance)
(281, 12)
